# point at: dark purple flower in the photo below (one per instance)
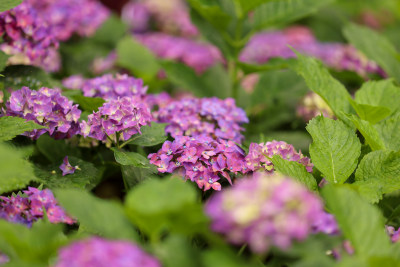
(67, 168)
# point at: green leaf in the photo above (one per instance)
(8, 4)
(335, 148)
(88, 103)
(10, 127)
(212, 13)
(369, 132)
(372, 114)
(246, 5)
(378, 174)
(136, 58)
(95, 215)
(151, 135)
(111, 31)
(277, 12)
(272, 64)
(328, 88)
(389, 131)
(356, 218)
(130, 158)
(3, 60)
(86, 177)
(376, 47)
(16, 172)
(56, 150)
(294, 170)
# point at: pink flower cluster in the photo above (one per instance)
(28, 209)
(267, 45)
(98, 252)
(123, 116)
(258, 153)
(46, 107)
(202, 116)
(199, 56)
(200, 159)
(264, 211)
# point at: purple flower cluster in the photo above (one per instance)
(200, 159)
(199, 56)
(28, 209)
(46, 107)
(122, 116)
(264, 211)
(74, 82)
(258, 153)
(313, 105)
(325, 223)
(101, 65)
(203, 116)
(167, 16)
(267, 45)
(108, 86)
(98, 252)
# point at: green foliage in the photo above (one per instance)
(96, 216)
(3, 60)
(335, 148)
(16, 172)
(56, 150)
(361, 223)
(90, 104)
(212, 13)
(378, 174)
(389, 131)
(372, 114)
(86, 177)
(150, 136)
(10, 127)
(130, 158)
(111, 31)
(376, 47)
(8, 4)
(295, 170)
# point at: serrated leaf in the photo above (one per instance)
(89, 104)
(97, 216)
(356, 218)
(16, 172)
(151, 135)
(212, 13)
(322, 83)
(130, 158)
(378, 174)
(372, 114)
(389, 131)
(294, 170)
(8, 4)
(56, 150)
(335, 148)
(277, 12)
(86, 177)
(134, 175)
(10, 127)
(376, 47)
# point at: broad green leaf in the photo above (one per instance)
(151, 135)
(321, 82)
(212, 13)
(335, 148)
(56, 150)
(372, 114)
(389, 131)
(378, 174)
(136, 58)
(246, 5)
(111, 31)
(10, 127)
(376, 47)
(88, 103)
(272, 64)
(8, 4)
(95, 215)
(86, 177)
(356, 218)
(277, 12)
(294, 170)
(16, 172)
(217, 81)
(379, 93)
(3, 60)
(130, 158)
(369, 132)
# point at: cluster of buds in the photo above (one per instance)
(46, 107)
(98, 252)
(117, 120)
(199, 56)
(259, 153)
(28, 209)
(203, 116)
(264, 211)
(313, 105)
(200, 159)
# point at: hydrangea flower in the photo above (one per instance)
(4, 258)
(203, 116)
(28, 209)
(264, 211)
(325, 223)
(74, 81)
(67, 168)
(104, 64)
(256, 158)
(98, 252)
(393, 233)
(199, 56)
(123, 116)
(200, 159)
(46, 107)
(109, 86)
(313, 105)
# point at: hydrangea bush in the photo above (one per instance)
(199, 133)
